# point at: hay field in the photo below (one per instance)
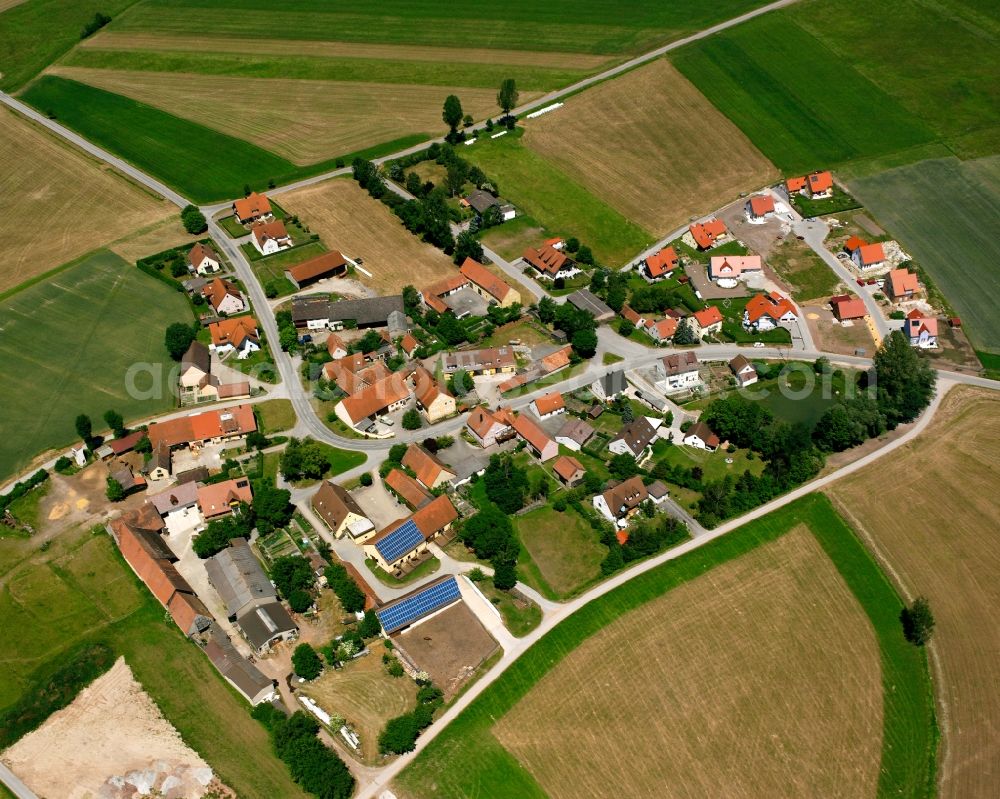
(941, 536)
(347, 219)
(759, 679)
(365, 695)
(651, 146)
(67, 345)
(944, 212)
(313, 120)
(111, 40)
(57, 204)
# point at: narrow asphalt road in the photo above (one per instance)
(14, 784)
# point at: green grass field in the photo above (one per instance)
(467, 760)
(562, 25)
(943, 212)
(37, 32)
(557, 202)
(801, 103)
(67, 346)
(275, 415)
(565, 551)
(80, 591)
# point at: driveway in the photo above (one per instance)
(381, 506)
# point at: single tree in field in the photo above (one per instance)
(306, 662)
(918, 621)
(507, 96)
(452, 114)
(84, 428)
(193, 220)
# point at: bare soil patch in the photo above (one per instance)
(760, 678)
(650, 145)
(111, 742)
(314, 120)
(936, 524)
(347, 219)
(134, 40)
(832, 336)
(56, 204)
(449, 647)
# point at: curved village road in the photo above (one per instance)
(562, 612)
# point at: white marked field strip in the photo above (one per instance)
(545, 110)
(358, 266)
(498, 135)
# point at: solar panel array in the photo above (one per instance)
(399, 541)
(409, 610)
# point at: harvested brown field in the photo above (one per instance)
(314, 119)
(57, 204)
(347, 219)
(935, 523)
(366, 696)
(152, 239)
(651, 146)
(5, 4)
(136, 40)
(760, 678)
(449, 647)
(109, 742)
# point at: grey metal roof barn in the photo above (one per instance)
(366, 313)
(238, 577)
(586, 300)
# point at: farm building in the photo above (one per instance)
(204, 427)
(538, 441)
(407, 489)
(410, 609)
(374, 401)
(327, 265)
(488, 285)
(238, 671)
(482, 201)
(586, 300)
(430, 472)
(216, 500)
(341, 513)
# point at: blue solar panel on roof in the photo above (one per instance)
(420, 604)
(399, 541)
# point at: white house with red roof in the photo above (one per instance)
(901, 284)
(869, 256)
(920, 330)
(204, 260)
(662, 331)
(759, 208)
(705, 235)
(270, 237)
(768, 311)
